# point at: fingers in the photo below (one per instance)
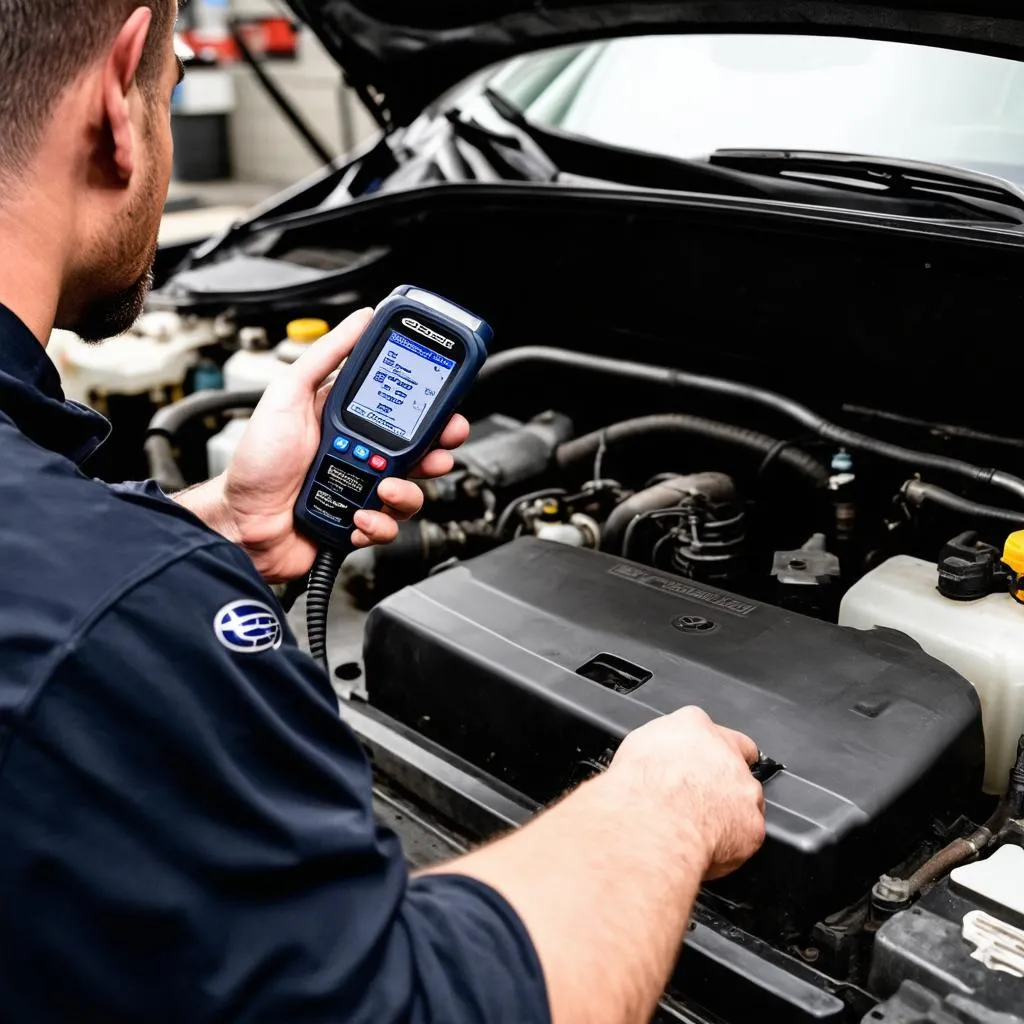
(740, 742)
(403, 496)
(436, 463)
(324, 356)
(440, 462)
(744, 744)
(456, 433)
(374, 528)
(323, 394)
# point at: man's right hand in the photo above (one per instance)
(684, 766)
(605, 880)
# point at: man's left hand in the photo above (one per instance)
(253, 502)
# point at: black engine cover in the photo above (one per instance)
(537, 657)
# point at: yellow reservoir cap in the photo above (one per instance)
(307, 330)
(1013, 556)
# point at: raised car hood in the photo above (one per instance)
(401, 54)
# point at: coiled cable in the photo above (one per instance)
(318, 599)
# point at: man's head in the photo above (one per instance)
(85, 143)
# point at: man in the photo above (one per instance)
(187, 830)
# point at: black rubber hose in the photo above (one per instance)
(163, 467)
(515, 505)
(582, 450)
(1015, 788)
(318, 599)
(770, 399)
(169, 420)
(918, 493)
(715, 487)
(961, 850)
(167, 423)
(956, 853)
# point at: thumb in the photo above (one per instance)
(743, 745)
(323, 357)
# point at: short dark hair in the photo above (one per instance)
(45, 45)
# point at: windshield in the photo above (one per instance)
(685, 96)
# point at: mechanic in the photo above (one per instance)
(188, 831)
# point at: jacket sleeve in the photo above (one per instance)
(195, 827)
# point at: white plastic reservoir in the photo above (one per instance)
(983, 640)
(220, 449)
(253, 368)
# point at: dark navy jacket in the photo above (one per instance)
(186, 831)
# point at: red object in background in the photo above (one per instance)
(280, 37)
(269, 38)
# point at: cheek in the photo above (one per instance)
(165, 153)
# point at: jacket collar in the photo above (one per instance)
(32, 398)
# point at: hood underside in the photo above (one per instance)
(402, 54)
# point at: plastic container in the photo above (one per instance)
(983, 640)
(301, 334)
(220, 449)
(254, 370)
(159, 352)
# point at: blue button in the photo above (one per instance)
(341, 444)
(361, 452)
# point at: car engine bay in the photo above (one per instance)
(828, 560)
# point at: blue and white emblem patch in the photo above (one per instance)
(247, 627)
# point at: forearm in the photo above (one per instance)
(604, 884)
(206, 501)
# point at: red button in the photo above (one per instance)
(378, 463)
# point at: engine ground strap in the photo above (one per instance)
(1000, 946)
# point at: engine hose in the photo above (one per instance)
(1015, 787)
(735, 389)
(172, 418)
(714, 487)
(505, 520)
(963, 849)
(949, 857)
(163, 466)
(918, 493)
(318, 598)
(168, 422)
(583, 449)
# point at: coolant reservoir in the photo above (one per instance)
(220, 449)
(301, 334)
(158, 352)
(254, 368)
(249, 370)
(982, 639)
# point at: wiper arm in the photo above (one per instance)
(604, 161)
(516, 155)
(886, 177)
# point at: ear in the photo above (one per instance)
(120, 71)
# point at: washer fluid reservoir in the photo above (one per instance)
(981, 638)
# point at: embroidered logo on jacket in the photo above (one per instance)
(247, 627)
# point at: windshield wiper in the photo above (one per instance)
(514, 156)
(885, 177)
(600, 160)
(901, 187)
